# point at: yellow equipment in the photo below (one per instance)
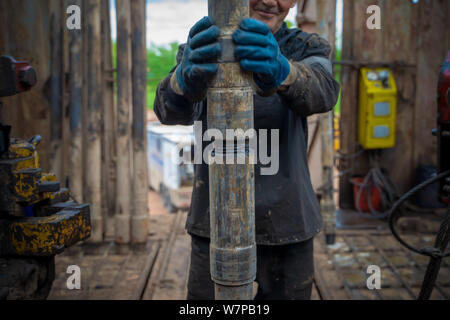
(377, 108)
(37, 218)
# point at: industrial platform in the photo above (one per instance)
(159, 270)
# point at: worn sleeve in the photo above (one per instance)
(172, 108)
(312, 87)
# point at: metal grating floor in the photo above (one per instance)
(341, 269)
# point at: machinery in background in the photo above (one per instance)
(374, 194)
(377, 109)
(37, 218)
(170, 168)
(438, 252)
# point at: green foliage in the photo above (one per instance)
(114, 47)
(160, 60)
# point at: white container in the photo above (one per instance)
(170, 174)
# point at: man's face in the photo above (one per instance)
(271, 12)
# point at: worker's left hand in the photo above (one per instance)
(258, 52)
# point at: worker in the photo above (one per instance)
(293, 77)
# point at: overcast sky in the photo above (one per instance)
(170, 20)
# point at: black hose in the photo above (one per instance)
(382, 183)
(442, 240)
(437, 253)
(394, 216)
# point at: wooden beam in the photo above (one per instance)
(139, 220)
(109, 125)
(56, 88)
(94, 118)
(124, 105)
(349, 109)
(326, 24)
(85, 87)
(75, 112)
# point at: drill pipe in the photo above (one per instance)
(231, 186)
(124, 104)
(327, 205)
(139, 225)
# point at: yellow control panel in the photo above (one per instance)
(377, 108)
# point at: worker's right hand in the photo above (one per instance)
(197, 66)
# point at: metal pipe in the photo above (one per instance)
(231, 186)
(326, 17)
(94, 118)
(124, 103)
(56, 89)
(75, 112)
(139, 219)
(109, 120)
(327, 205)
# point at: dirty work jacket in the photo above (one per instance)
(286, 207)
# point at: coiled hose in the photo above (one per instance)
(382, 183)
(437, 253)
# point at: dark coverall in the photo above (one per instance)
(287, 212)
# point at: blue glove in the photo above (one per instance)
(197, 67)
(258, 52)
